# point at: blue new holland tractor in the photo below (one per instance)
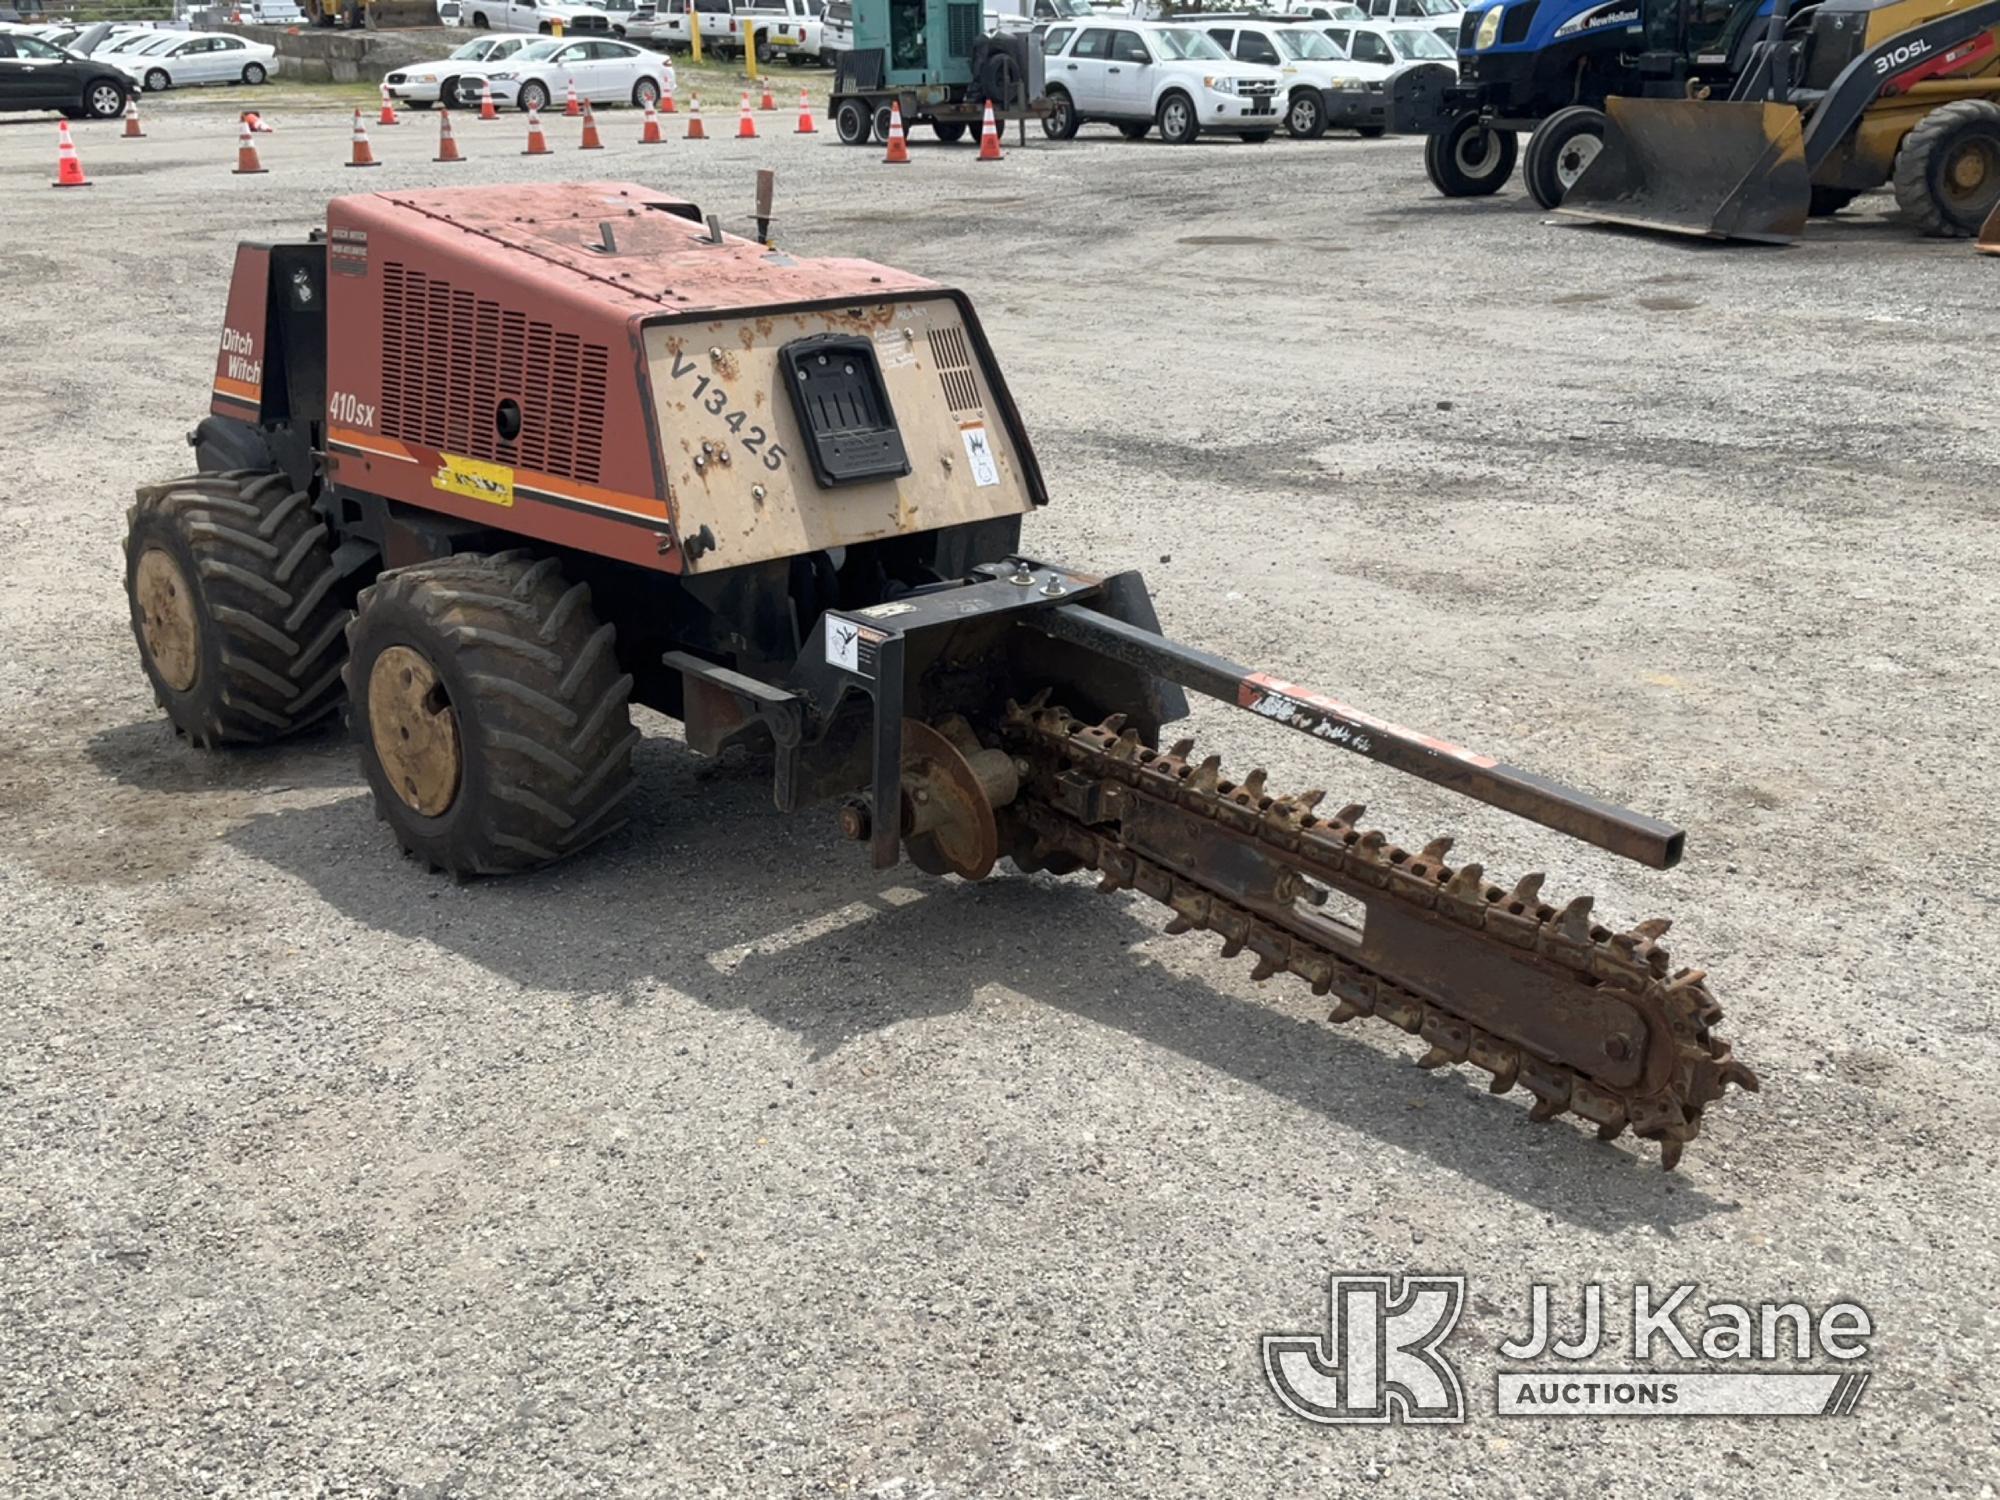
(1547, 66)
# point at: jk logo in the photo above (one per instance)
(1378, 1361)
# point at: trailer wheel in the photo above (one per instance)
(1947, 175)
(1465, 159)
(491, 713)
(884, 118)
(1559, 150)
(1060, 123)
(1305, 116)
(852, 123)
(948, 131)
(238, 611)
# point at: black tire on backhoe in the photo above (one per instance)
(238, 610)
(1930, 188)
(491, 714)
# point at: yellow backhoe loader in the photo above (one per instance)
(1836, 100)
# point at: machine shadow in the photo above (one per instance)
(148, 756)
(792, 927)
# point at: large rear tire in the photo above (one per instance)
(1060, 123)
(1465, 159)
(492, 716)
(1947, 174)
(238, 610)
(1559, 150)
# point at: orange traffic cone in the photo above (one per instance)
(256, 123)
(132, 130)
(388, 115)
(364, 154)
(899, 148)
(667, 97)
(247, 164)
(767, 102)
(570, 110)
(591, 140)
(651, 136)
(746, 128)
(989, 137)
(806, 126)
(69, 170)
(447, 142)
(486, 109)
(538, 144)
(695, 132)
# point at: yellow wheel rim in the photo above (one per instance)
(167, 621)
(415, 730)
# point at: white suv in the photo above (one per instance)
(1139, 75)
(1313, 71)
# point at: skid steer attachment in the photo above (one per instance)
(1715, 170)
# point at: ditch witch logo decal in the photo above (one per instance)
(1381, 1358)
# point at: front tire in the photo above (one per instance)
(645, 94)
(157, 81)
(479, 22)
(1179, 125)
(1464, 159)
(106, 101)
(253, 74)
(236, 606)
(533, 96)
(852, 123)
(1561, 148)
(1060, 123)
(1305, 117)
(492, 717)
(1947, 175)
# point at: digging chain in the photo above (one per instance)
(1090, 785)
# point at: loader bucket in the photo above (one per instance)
(1989, 237)
(1724, 171)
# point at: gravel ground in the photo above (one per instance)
(713, 1164)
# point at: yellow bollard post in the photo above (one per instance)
(555, 28)
(694, 33)
(750, 47)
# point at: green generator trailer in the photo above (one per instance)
(935, 60)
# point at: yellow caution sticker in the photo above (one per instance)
(475, 479)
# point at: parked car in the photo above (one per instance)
(1029, 15)
(450, 13)
(1311, 67)
(537, 15)
(184, 60)
(604, 72)
(1324, 10)
(36, 75)
(1375, 41)
(423, 84)
(1140, 75)
(1442, 16)
(722, 28)
(836, 28)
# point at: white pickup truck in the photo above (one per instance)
(724, 25)
(535, 15)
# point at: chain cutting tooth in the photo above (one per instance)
(1181, 750)
(1253, 785)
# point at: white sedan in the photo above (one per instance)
(604, 72)
(425, 83)
(198, 59)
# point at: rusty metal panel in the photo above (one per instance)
(740, 483)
